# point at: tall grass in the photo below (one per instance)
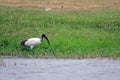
(72, 34)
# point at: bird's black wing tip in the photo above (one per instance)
(23, 42)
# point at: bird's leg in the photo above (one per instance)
(31, 47)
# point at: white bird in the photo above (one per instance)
(32, 42)
(47, 9)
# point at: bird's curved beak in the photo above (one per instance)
(47, 40)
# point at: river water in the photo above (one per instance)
(59, 69)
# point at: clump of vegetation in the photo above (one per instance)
(73, 34)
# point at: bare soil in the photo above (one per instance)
(63, 4)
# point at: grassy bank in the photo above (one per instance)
(73, 34)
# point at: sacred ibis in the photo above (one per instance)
(32, 42)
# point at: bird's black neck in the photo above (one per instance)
(44, 36)
(42, 39)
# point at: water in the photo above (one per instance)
(59, 69)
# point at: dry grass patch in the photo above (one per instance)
(63, 4)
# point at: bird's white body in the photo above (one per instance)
(32, 42)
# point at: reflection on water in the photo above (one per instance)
(59, 69)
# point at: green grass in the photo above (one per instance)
(72, 34)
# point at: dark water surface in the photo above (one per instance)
(59, 69)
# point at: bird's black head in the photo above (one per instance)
(44, 36)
